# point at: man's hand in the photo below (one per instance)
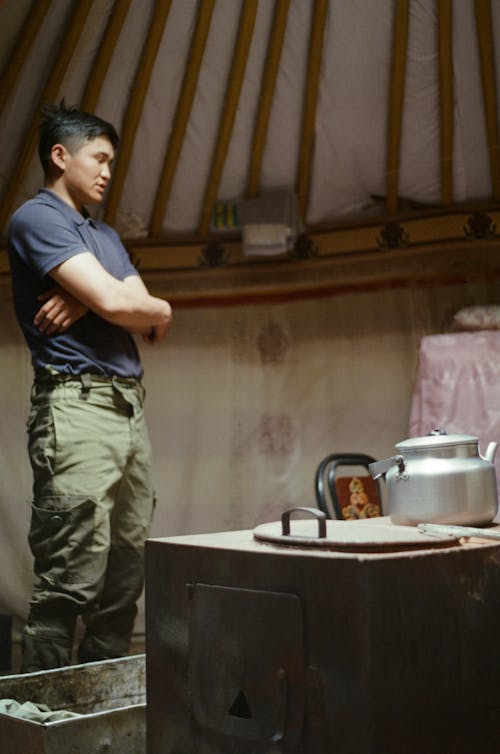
(156, 334)
(59, 311)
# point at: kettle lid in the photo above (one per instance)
(436, 440)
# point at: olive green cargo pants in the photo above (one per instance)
(93, 503)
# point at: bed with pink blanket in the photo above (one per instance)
(457, 386)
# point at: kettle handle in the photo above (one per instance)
(378, 468)
(490, 451)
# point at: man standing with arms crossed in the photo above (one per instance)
(78, 300)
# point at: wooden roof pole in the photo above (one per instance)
(306, 148)
(486, 54)
(241, 50)
(270, 75)
(135, 105)
(104, 55)
(397, 87)
(49, 94)
(21, 48)
(184, 104)
(446, 99)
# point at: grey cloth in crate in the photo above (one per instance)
(38, 713)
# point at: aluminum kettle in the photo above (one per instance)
(441, 479)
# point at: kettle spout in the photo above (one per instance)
(378, 468)
(490, 451)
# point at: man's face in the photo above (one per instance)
(87, 171)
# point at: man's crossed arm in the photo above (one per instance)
(83, 284)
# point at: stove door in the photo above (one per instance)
(246, 664)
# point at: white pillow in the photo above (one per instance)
(478, 318)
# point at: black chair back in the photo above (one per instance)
(347, 497)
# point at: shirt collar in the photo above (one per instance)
(54, 200)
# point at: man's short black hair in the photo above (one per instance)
(70, 127)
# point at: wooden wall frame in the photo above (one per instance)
(414, 249)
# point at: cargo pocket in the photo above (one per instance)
(41, 441)
(62, 537)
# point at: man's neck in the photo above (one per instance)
(57, 187)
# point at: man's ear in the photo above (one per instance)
(59, 154)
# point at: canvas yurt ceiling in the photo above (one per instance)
(272, 145)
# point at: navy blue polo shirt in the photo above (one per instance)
(43, 233)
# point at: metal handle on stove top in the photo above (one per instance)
(319, 515)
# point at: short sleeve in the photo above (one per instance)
(42, 238)
(127, 266)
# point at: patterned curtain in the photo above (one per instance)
(243, 402)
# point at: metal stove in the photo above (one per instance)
(314, 637)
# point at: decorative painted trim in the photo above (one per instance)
(213, 255)
(480, 225)
(393, 236)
